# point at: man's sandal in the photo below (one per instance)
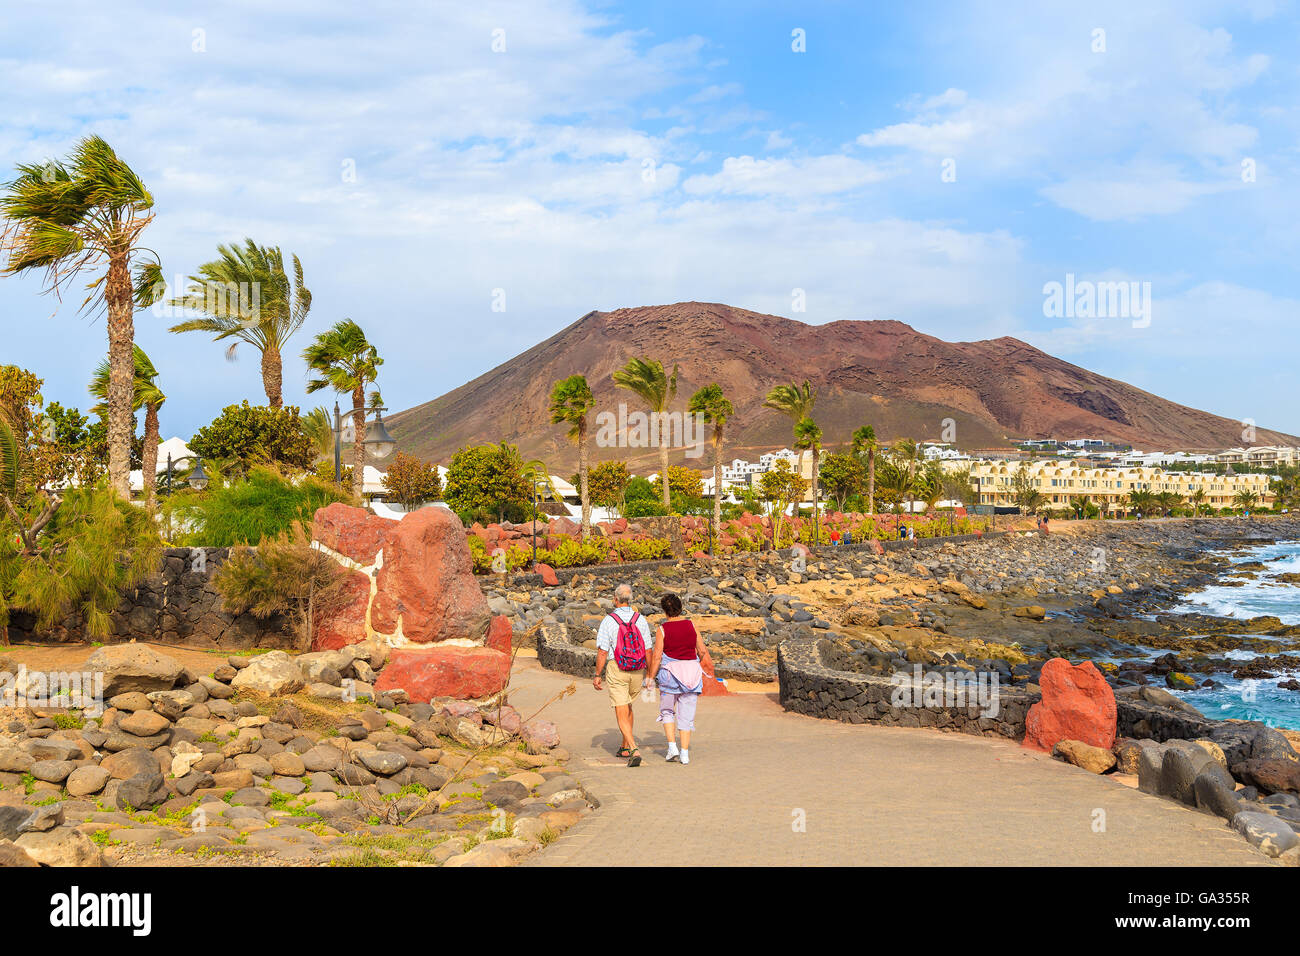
(623, 752)
(634, 759)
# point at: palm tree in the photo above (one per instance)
(571, 400)
(346, 363)
(246, 295)
(1079, 505)
(318, 426)
(70, 217)
(796, 401)
(1168, 501)
(147, 395)
(864, 440)
(807, 436)
(715, 408)
(647, 379)
(1245, 500)
(930, 486)
(1197, 500)
(1141, 501)
(908, 452)
(894, 482)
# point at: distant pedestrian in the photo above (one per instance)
(678, 665)
(623, 649)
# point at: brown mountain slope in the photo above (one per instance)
(885, 374)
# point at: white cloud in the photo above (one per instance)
(805, 177)
(1162, 96)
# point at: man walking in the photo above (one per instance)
(623, 645)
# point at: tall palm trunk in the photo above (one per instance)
(273, 376)
(149, 457)
(663, 468)
(871, 481)
(816, 457)
(121, 379)
(583, 465)
(358, 438)
(717, 482)
(911, 484)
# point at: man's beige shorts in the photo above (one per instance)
(623, 685)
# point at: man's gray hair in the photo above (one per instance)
(623, 593)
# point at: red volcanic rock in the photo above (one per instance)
(352, 532)
(548, 574)
(427, 581)
(620, 524)
(877, 547)
(540, 735)
(1077, 704)
(712, 688)
(346, 624)
(564, 526)
(499, 634)
(463, 672)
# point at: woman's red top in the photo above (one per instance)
(679, 640)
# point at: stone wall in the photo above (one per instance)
(809, 687)
(668, 527)
(1142, 719)
(179, 604)
(557, 652)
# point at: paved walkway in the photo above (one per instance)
(866, 795)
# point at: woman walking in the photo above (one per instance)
(678, 658)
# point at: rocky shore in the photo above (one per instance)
(1092, 591)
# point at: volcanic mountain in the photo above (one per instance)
(883, 373)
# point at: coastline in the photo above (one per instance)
(1100, 591)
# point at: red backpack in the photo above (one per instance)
(629, 646)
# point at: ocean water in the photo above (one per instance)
(1258, 700)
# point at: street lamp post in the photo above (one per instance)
(198, 479)
(378, 443)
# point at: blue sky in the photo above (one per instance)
(618, 155)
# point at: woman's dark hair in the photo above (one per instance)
(671, 604)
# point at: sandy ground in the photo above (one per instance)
(71, 657)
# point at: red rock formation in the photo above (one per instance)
(346, 624)
(353, 532)
(500, 634)
(427, 581)
(463, 672)
(1077, 704)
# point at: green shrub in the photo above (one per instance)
(644, 508)
(94, 547)
(640, 488)
(285, 575)
(247, 435)
(264, 505)
(643, 549)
